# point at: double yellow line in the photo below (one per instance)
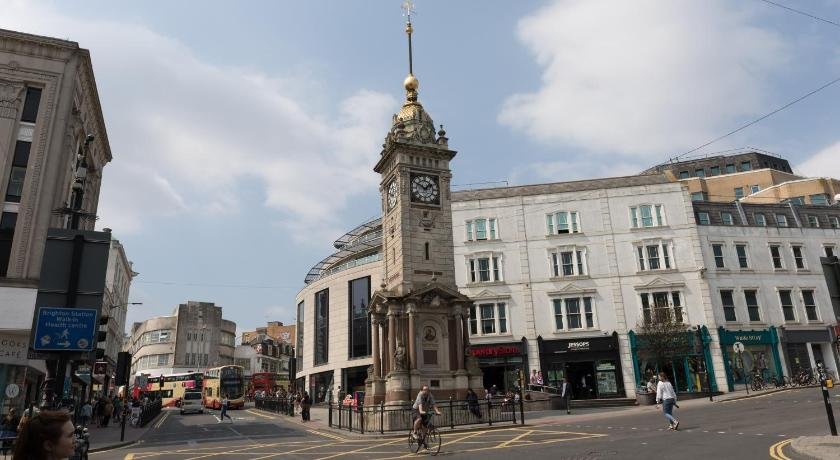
(162, 419)
(777, 452)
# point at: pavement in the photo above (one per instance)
(766, 425)
(105, 438)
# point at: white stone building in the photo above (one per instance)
(557, 269)
(115, 301)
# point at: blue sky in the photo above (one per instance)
(244, 133)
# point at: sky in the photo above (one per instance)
(244, 134)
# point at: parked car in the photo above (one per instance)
(192, 402)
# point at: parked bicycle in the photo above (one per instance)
(756, 381)
(428, 437)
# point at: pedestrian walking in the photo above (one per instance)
(87, 412)
(223, 412)
(566, 394)
(305, 405)
(666, 398)
(107, 410)
(472, 403)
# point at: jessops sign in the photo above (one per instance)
(65, 329)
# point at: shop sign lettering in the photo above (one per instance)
(13, 349)
(497, 350)
(747, 338)
(579, 346)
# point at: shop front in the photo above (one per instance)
(686, 367)
(19, 380)
(501, 363)
(353, 379)
(761, 355)
(804, 348)
(321, 386)
(592, 365)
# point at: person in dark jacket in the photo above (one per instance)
(305, 405)
(472, 403)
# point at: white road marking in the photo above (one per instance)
(721, 432)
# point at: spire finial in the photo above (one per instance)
(410, 83)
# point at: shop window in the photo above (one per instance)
(573, 313)
(741, 252)
(786, 301)
(568, 262)
(776, 257)
(654, 256)
(322, 312)
(751, 299)
(720, 260)
(810, 305)
(485, 269)
(359, 320)
(703, 218)
(647, 215)
(562, 222)
(661, 305)
(798, 257)
(488, 319)
(728, 303)
(482, 229)
(760, 220)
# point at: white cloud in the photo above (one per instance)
(568, 170)
(825, 163)
(643, 77)
(186, 134)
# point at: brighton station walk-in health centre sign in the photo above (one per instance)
(65, 329)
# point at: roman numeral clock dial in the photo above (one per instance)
(425, 189)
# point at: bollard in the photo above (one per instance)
(489, 412)
(382, 418)
(829, 411)
(329, 414)
(451, 415)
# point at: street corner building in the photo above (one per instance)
(561, 278)
(53, 149)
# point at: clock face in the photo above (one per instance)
(425, 189)
(392, 194)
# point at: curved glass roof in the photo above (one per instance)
(363, 238)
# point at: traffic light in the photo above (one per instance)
(123, 367)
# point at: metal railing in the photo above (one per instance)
(381, 418)
(150, 411)
(280, 406)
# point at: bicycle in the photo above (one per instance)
(428, 437)
(756, 382)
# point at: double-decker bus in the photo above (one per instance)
(221, 382)
(170, 388)
(269, 382)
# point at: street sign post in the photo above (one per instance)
(738, 347)
(65, 329)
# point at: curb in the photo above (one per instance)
(392, 435)
(120, 444)
(807, 452)
(764, 393)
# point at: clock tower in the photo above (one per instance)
(420, 334)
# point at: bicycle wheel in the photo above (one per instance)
(413, 444)
(433, 441)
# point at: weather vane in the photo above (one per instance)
(408, 6)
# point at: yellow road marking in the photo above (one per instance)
(162, 419)
(129, 457)
(361, 449)
(777, 452)
(327, 435)
(293, 451)
(259, 414)
(232, 451)
(508, 442)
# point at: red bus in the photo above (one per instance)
(268, 382)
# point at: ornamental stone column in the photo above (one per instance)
(377, 363)
(412, 334)
(459, 337)
(392, 338)
(386, 361)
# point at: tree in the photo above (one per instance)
(663, 335)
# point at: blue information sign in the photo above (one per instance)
(65, 329)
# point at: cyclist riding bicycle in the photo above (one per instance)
(420, 410)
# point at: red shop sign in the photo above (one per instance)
(495, 350)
